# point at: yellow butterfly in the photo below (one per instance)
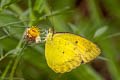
(66, 51)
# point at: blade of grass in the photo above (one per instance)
(95, 13)
(110, 53)
(6, 30)
(100, 31)
(111, 36)
(41, 18)
(73, 27)
(6, 70)
(16, 9)
(3, 3)
(6, 3)
(39, 6)
(57, 21)
(102, 58)
(9, 24)
(2, 37)
(1, 51)
(31, 14)
(54, 13)
(8, 53)
(19, 54)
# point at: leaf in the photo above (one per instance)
(112, 35)
(1, 51)
(6, 3)
(100, 31)
(2, 37)
(5, 29)
(6, 70)
(95, 12)
(13, 51)
(57, 21)
(73, 27)
(16, 8)
(8, 19)
(39, 5)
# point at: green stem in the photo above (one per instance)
(17, 58)
(6, 70)
(14, 66)
(31, 14)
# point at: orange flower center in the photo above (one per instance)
(33, 31)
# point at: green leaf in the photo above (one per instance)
(6, 70)
(57, 21)
(2, 37)
(73, 27)
(95, 12)
(1, 51)
(100, 31)
(112, 35)
(8, 19)
(6, 3)
(16, 8)
(39, 5)
(110, 53)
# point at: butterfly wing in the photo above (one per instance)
(61, 55)
(88, 50)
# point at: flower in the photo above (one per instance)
(33, 34)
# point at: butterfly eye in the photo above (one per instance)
(51, 30)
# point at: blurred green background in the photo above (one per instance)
(97, 20)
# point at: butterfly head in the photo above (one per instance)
(51, 30)
(50, 34)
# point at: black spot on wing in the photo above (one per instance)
(76, 42)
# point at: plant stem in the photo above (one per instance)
(18, 57)
(6, 70)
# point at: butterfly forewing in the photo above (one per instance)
(88, 49)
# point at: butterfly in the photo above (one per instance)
(66, 51)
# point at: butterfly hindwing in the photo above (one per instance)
(66, 51)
